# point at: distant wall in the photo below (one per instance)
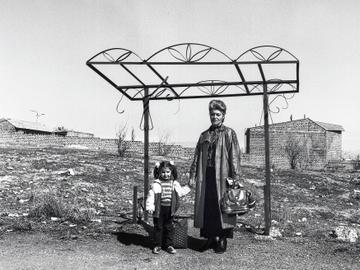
(41, 141)
(11, 139)
(72, 133)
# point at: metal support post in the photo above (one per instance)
(267, 200)
(146, 103)
(135, 204)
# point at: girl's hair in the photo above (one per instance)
(165, 164)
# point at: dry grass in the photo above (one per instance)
(38, 183)
(48, 204)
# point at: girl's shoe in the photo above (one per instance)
(171, 250)
(156, 250)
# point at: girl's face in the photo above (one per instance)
(165, 173)
(216, 117)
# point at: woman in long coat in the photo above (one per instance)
(217, 156)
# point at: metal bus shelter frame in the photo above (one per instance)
(150, 79)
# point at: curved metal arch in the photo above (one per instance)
(127, 53)
(243, 74)
(273, 56)
(189, 56)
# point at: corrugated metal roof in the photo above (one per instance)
(330, 127)
(21, 124)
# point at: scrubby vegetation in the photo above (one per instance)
(87, 192)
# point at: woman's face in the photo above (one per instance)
(216, 117)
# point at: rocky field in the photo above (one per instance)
(78, 193)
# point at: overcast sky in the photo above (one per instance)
(45, 45)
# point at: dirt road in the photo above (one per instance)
(41, 251)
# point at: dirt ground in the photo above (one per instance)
(92, 192)
(128, 251)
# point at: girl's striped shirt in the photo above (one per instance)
(166, 192)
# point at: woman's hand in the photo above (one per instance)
(191, 182)
(150, 211)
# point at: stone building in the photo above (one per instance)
(61, 131)
(320, 143)
(8, 125)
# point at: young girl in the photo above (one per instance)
(162, 202)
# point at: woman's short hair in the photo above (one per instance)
(217, 104)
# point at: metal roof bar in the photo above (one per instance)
(92, 62)
(175, 85)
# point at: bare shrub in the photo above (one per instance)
(165, 145)
(133, 136)
(295, 151)
(122, 146)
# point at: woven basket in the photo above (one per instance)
(181, 232)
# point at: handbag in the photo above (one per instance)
(236, 200)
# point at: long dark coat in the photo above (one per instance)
(227, 164)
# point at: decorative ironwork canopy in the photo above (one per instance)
(192, 70)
